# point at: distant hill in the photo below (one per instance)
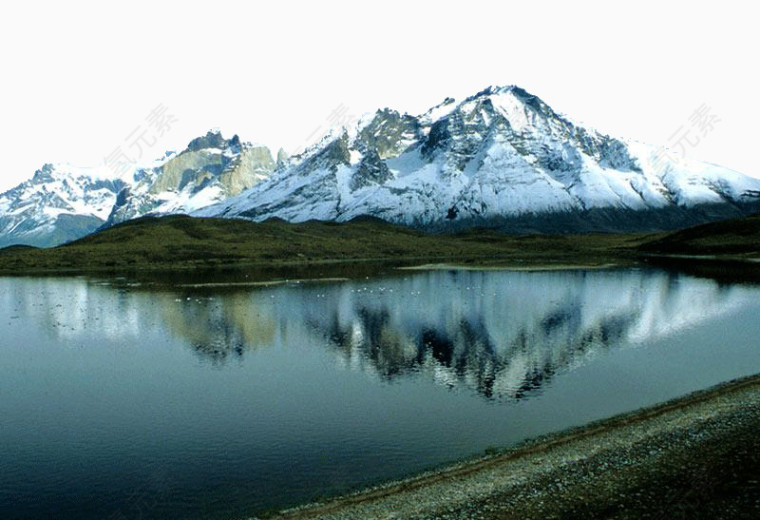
(17, 248)
(736, 237)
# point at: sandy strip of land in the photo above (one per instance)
(505, 267)
(261, 283)
(695, 457)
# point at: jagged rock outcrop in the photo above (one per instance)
(210, 169)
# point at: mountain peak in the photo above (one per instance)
(439, 111)
(511, 100)
(496, 90)
(44, 173)
(212, 139)
(513, 92)
(282, 158)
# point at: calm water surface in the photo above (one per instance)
(211, 402)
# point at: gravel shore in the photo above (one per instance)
(695, 457)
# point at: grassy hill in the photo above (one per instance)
(737, 238)
(180, 242)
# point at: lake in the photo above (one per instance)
(192, 400)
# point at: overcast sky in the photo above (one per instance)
(80, 78)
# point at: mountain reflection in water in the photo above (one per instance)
(502, 334)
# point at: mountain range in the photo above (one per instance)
(62, 203)
(500, 159)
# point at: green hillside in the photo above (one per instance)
(736, 238)
(180, 242)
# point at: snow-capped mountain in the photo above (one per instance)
(59, 203)
(209, 170)
(62, 203)
(501, 158)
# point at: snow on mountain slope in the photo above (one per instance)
(59, 203)
(501, 158)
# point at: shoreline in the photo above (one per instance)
(404, 263)
(527, 263)
(537, 267)
(265, 283)
(623, 464)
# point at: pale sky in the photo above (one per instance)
(79, 77)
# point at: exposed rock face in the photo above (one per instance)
(389, 133)
(210, 169)
(371, 170)
(254, 164)
(501, 158)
